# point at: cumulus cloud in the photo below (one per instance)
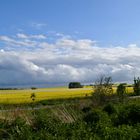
(66, 60)
(15, 42)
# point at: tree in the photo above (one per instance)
(33, 88)
(102, 88)
(137, 86)
(33, 96)
(75, 85)
(103, 85)
(121, 91)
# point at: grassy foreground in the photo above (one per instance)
(81, 119)
(23, 95)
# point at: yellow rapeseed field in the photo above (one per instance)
(24, 95)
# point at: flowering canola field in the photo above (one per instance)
(24, 95)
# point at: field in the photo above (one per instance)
(24, 95)
(73, 119)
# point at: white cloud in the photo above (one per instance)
(66, 60)
(75, 44)
(16, 42)
(24, 36)
(6, 38)
(19, 35)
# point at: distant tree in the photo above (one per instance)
(137, 86)
(33, 88)
(75, 85)
(121, 91)
(102, 88)
(103, 85)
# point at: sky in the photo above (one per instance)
(50, 42)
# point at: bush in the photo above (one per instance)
(86, 109)
(43, 121)
(121, 92)
(124, 132)
(137, 86)
(102, 89)
(110, 109)
(129, 114)
(96, 116)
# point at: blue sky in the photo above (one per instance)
(59, 41)
(109, 22)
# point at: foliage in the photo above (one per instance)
(137, 86)
(123, 132)
(103, 85)
(33, 96)
(86, 109)
(121, 91)
(33, 88)
(110, 108)
(129, 114)
(96, 116)
(75, 85)
(102, 88)
(117, 121)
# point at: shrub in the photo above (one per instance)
(86, 109)
(96, 116)
(123, 132)
(102, 89)
(137, 86)
(44, 121)
(121, 91)
(129, 114)
(110, 109)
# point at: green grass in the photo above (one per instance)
(78, 120)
